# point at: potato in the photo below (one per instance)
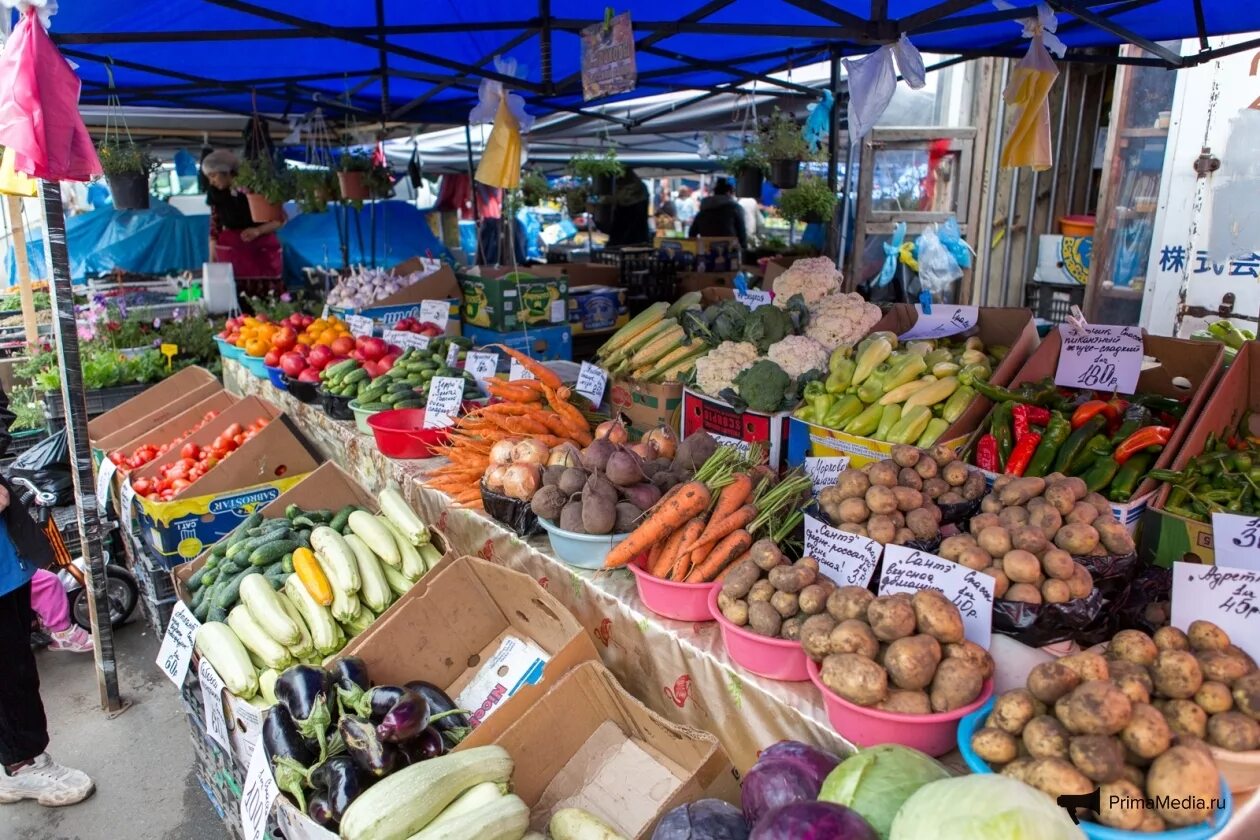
(941, 453)
(1058, 564)
(1025, 593)
(1082, 512)
(1081, 583)
(1214, 697)
(764, 619)
(928, 470)
(1247, 695)
(905, 455)
(975, 558)
(984, 520)
(852, 484)
(1021, 566)
(907, 477)
(1097, 707)
(849, 602)
(1115, 537)
(1185, 717)
(955, 473)
(1001, 583)
(1019, 491)
(911, 662)
(1045, 737)
(1135, 775)
(953, 547)
(1051, 680)
(1176, 674)
(898, 518)
(1019, 768)
(921, 524)
(1233, 731)
(880, 499)
(1147, 733)
(813, 598)
(1099, 757)
(1184, 776)
(1088, 666)
(765, 553)
(1235, 650)
(891, 617)
(816, 636)
(853, 510)
(741, 577)
(1133, 679)
(1055, 591)
(791, 628)
(1152, 822)
(1061, 497)
(794, 578)
(882, 473)
(1133, 646)
(1077, 538)
(1121, 805)
(1013, 710)
(1013, 517)
(905, 702)
(972, 653)
(762, 590)
(1076, 485)
(1204, 635)
(855, 678)
(1057, 776)
(995, 539)
(974, 487)
(907, 498)
(881, 528)
(1046, 519)
(785, 603)
(735, 611)
(1221, 665)
(994, 746)
(955, 684)
(989, 504)
(854, 528)
(1098, 501)
(936, 615)
(1170, 638)
(853, 636)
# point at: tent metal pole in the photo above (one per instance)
(846, 198)
(383, 59)
(1081, 11)
(833, 149)
(453, 81)
(472, 179)
(57, 259)
(544, 43)
(1058, 149)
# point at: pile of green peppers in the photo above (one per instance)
(1224, 478)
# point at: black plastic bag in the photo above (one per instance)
(49, 452)
(513, 513)
(958, 513)
(1038, 625)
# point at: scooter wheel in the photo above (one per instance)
(120, 589)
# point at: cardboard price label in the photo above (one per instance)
(104, 477)
(744, 446)
(1228, 597)
(212, 701)
(848, 559)
(360, 325)
(324, 315)
(446, 393)
(452, 355)
(406, 339)
(1100, 357)
(257, 796)
(753, 297)
(1236, 540)
(824, 471)
(247, 727)
(126, 501)
(909, 570)
(519, 371)
(482, 366)
(591, 382)
(176, 651)
(435, 312)
(942, 321)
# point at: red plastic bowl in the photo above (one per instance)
(671, 599)
(400, 433)
(778, 659)
(932, 734)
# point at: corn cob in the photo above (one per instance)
(637, 325)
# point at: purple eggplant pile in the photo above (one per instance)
(332, 734)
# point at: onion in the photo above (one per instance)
(521, 481)
(501, 452)
(494, 477)
(565, 455)
(665, 439)
(644, 449)
(613, 430)
(530, 451)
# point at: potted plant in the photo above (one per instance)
(360, 178)
(575, 199)
(267, 186)
(810, 201)
(315, 188)
(534, 188)
(598, 170)
(748, 165)
(783, 147)
(127, 168)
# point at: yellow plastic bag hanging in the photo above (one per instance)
(13, 182)
(500, 164)
(1028, 92)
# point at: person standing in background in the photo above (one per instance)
(253, 249)
(720, 215)
(629, 224)
(687, 206)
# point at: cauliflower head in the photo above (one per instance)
(841, 319)
(798, 354)
(718, 368)
(812, 278)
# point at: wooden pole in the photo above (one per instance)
(29, 324)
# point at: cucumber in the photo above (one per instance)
(286, 563)
(304, 537)
(273, 525)
(198, 598)
(215, 613)
(292, 511)
(202, 610)
(231, 591)
(231, 567)
(410, 404)
(270, 552)
(209, 578)
(236, 536)
(211, 562)
(338, 522)
(247, 548)
(220, 548)
(194, 582)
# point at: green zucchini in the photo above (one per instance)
(231, 591)
(270, 552)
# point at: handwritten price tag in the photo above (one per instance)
(743, 446)
(406, 338)
(1236, 540)
(126, 503)
(908, 570)
(257, 796)
(435, 312)
(1228, 597)
(942, 321)
(104, 477)
(591, 382)
(212, 701)
(482, 366)
(452, 355)
(1101, 357)
(848, 559)
(324, 314)
(247, 727)
(442, 407)
(753, 297)
(518, 371)
(825, 471)
(360, 325)
(177, 645)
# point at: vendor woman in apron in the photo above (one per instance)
(251, 248)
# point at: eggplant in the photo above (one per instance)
(305, 691)
(341, 781)
(407, 718)
(374, 756)
(379, 700)
(349, 676)
(444, 716)
(428, 744)
(290, 754)
(320, 810)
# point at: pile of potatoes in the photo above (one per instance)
(897, 653)
(1029, 530)
(1132, 722)
(766, 593)
(896, 500)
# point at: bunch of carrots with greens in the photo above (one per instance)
(537, 408)
(700, 528)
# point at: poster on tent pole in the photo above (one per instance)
(608, 58)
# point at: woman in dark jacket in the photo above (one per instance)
(720, 215)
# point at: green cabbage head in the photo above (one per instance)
(876, 781)
(984, 807)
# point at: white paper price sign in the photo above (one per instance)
(1226, 596)
(212, 701)
(519, 371)
(177, 645)
(848, 559)
(406, 338)
(246, 727)
(104, 477)
(753, 297)
(1236, 540)
(324, 314)
(435, 312)
(1100, 357)
(743, 446)
(452, 355)
(942, 321)
(591, 382)
(360, 325)
(257, 796)
(482, 366)
(909, 570)
(446, 393)
(824, 471)
(126, 501)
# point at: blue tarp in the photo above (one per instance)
(401, 232)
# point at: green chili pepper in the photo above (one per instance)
(1101, 474)
(1074, 447)
(1057, 431)
(1001, 429)
(1129, 476)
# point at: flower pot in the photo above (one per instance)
(575, 203)
(785, 173)
(352, 186)
(748, 183)
(813, 219)
(264, 211)
(602, 185)
(130, 190)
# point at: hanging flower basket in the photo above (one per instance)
(602, 185)
(748, 183)
(785, 173)
(130, 190)
(264, 211)
(352, 186)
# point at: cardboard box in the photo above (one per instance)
(581, 742)
(1166, 536)
(168, 397)
(405, 303)
(505, 300)
(546, 344)
(702, 253)
(699, 281)
(597, 309)
(1012, 327)
(451, 621)
(704, 413)
(646, 404)
(260, 470)
(776, 266)
(577, 273)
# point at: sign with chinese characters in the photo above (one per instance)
(1177, 259)
(944, 320)
(909, 570)
(848, 559)
(1100, 358)
(608, 64)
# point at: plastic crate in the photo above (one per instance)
(644, 275)
(20, 442)
(98, 401)
(1053, 302)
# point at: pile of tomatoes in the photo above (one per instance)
(195, 461)
(414, 325)
(146, 452)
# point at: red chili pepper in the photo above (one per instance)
(987, 453)
(1139, 440)
(1025, 416)
(1087, 410)
(1022, 454)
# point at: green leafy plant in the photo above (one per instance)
(27, 414)
(746, 159)
(264, 177)
(534, 188)
(781, 139)
(591, 166)
(811, 198)
(315, 188)
(376, 178)
(575, 199)
(124, 158)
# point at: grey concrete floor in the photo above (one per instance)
(142, 760)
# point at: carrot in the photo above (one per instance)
(664, 562)
(680, 563)
(541, 372)
(732, 545)
(718, 529)
(732, 497)
(511, 391)
(664, 518)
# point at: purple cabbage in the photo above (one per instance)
(705, 819)
(786, 772)
(812, 821)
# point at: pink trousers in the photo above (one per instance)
(48, 600)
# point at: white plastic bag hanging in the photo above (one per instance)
(938, 269)
(873, 81)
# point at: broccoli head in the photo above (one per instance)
(767, 325)
(727, 320)
(764, 386)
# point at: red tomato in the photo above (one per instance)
(143, 486)
(233, 430)
(189, 450)
(284, 339)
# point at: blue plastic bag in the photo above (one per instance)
(951, 237)
(892, 254)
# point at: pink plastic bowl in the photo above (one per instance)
(931, 734)
(400, 433)
(679, 601)
(778, 659)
